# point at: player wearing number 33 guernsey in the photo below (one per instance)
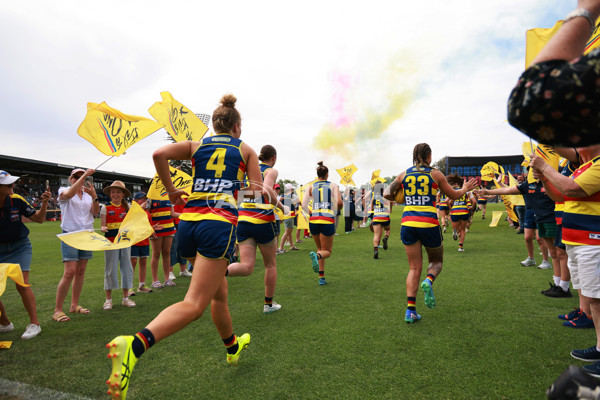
(207, 229)
(420, 226)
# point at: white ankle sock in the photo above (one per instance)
(564, 285)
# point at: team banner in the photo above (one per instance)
(112, 131)
(537, 38)
(12, 271)
(134, 228)
(496, 218)
(181, 123)
(180, 179)
(346, 175)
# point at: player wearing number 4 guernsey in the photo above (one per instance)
(417, 187)
(207, 228)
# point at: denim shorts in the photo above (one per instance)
(18, 252)
(140, 251)
(72, 254)
(530, 219)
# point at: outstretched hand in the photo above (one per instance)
(176, 197)
(470, 184)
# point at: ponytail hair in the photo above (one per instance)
(267, 152)
(421, 153)
(226, 116)
(322, 170)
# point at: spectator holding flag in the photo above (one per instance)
(78, 206)
(15, 247)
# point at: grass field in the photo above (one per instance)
(492, 334)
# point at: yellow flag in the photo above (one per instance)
(302, 220)
(111, 131)
(495, 218)
(346, 175)
(12, 271)
(549, 155)
(375, 177)
(490, 170)
(180, 179)
(537, 38)
(181, 123)
(302, 189)
(134, 228)
(508, 204)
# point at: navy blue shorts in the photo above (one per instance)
(382, 223)
(558, 238)
(460, 217)
(530, 219)
(262, 233)
(429, 237)
(210, 239)
(443, 208)
(140, 251)
(481, 201)
(321, 229)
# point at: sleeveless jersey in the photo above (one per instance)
(443, 200)
(461, 205)
(581, 217)
(380, 212)
(322, 211)
(257, 211)
(160, 211)
(217, 168)
(114, 216)
(420, 191)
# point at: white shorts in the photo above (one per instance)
(584, 266)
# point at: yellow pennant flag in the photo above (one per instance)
(549, 155)
(12, 271)
(346, 175)
(134, 228)
(302, 220)
(181, 123)
(375, 177)
(180, 179)
(537, 38)
(495, 218)
(111, 131)
(490, 170)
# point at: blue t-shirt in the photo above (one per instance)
(536, 197)
(12, 229)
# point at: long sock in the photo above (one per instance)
(321, 274)
(430, 278)
(411, 301)
(268, 301)
(460, 245)
(231, 344)
(142, 341)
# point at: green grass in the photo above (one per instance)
(492, 334)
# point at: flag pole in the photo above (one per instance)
(103, 162)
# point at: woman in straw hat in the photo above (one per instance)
(111, 217)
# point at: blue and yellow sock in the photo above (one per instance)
(142, 341)
(430, 278)
(231, 344)
(412, 301)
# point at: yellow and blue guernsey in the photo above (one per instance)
(218, 168)
(461, 205)
(581, 217)
(322, 211)
(380, 212)
(257, 211)
(420, 191)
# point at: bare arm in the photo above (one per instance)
(390, 192)
(267, 187)
(563, 184)
(77, 186)
(337, 198)
(161, 157)
(306, 199)
(448, 190)
(40, 215)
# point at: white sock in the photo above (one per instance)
(125, 298)
(109, 300)
(142, 284)
(556, 280)
(564, 285)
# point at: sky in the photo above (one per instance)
(335, 81)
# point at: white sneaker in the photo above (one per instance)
(528, 262)
(185, 272)
(31, 331)
(172, 276)
(7, 328)
(545, 265)
(274, 307)
(461, 249)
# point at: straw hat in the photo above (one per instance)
(118, 185)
